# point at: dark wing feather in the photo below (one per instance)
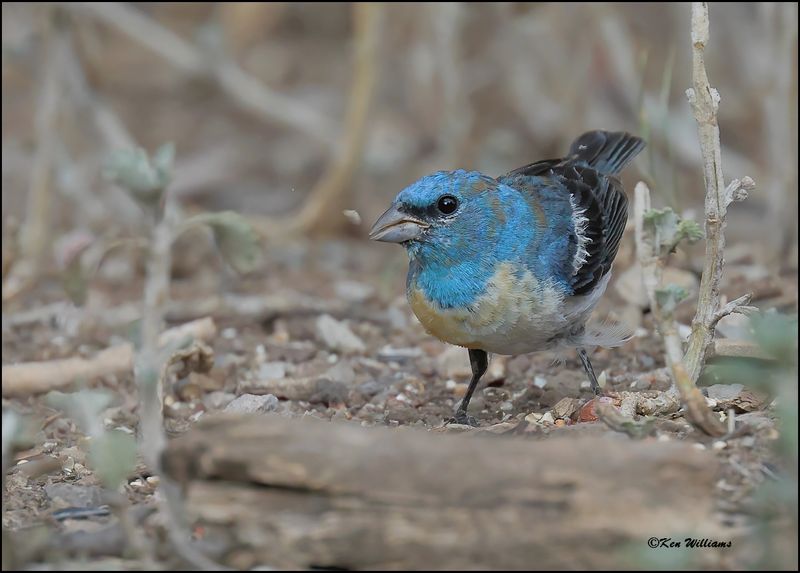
(588, 175)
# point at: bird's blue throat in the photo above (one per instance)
(452, 263)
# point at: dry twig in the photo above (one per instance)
(36, 231)
(32, 378)
(241, 87)
(652, 265)
(321, 210)
(705, 103)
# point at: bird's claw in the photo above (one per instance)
(463, 418)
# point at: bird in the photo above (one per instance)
(515, 264)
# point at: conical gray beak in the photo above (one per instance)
(394, 226)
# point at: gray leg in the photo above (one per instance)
(589, 371)
(479, 361)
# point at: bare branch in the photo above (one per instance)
(705, 102)
(652, 266)
(738, 189)
(31, 378)
(36, 231)
(739, 305)
(243, 88)
(322, 208)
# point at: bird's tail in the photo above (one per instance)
(605, 334)
(606, 151)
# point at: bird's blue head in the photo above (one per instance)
(451, 217)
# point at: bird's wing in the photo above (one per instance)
(598, 202)
(599, 211)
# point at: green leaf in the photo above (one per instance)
(668, 229)
(776, 334)
(688, 230)
(236, 239)
(142, 176)
(112, 455)
(670, 296)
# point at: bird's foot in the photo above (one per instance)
(462, 418)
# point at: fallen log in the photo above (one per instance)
(306, 493)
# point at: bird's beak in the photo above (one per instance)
(394, 226)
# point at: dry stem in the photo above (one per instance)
(32, 378)
(652, 266)
(322, 208)
(37, 226)
(705, 103)
(241, 87)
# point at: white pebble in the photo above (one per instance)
(261, 354)
(663, 438)
(352, 216)
(229, 333)
(547, 418)
(698, 446)
(540, 382)
(719, 445)
(450, 384)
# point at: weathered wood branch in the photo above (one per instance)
(704, 100)
(31, 378)
(652, 270)
(300, 493)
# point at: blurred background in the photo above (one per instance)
(307, 119)
(272, 104)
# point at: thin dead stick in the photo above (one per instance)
(652, 266)
(242, 88)
(36, 231)
(705, 103)
(321, 210)
(30, 378)
(113, 132)
(148, 361)
(150, 370)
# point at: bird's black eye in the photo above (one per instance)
(447, 204)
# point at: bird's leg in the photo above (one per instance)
(589, 371)
(479, 361)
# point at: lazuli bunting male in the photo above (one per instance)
(515, 264)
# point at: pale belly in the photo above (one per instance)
(514, 316)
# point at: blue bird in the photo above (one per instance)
(515, 264)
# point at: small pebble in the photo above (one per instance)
(353, 216)
(533, 417)
(272, 370)
(719, 445)
(540, 382)
(698, 446)
(250, 403)
(229, 333)
(547, 418)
